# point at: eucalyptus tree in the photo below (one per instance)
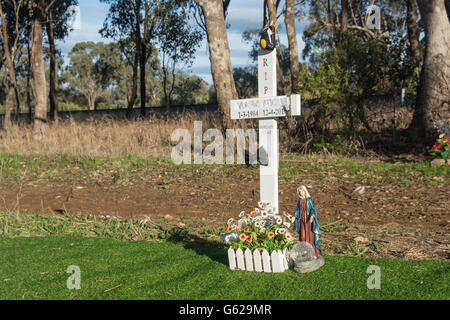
(140, 20)
(362, 58)
(39, 10)
(11, 33)
(83, 71)
(289, 18)
(121, 24)
(177, 42)
(189, 89)
(213, 16)
(433, 92)
(57, 27)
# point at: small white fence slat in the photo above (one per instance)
(277, 263)
(248, 260)
(231, 259)
(257, 261)
(240, 259)
(266, 261)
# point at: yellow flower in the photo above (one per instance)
(441, 136)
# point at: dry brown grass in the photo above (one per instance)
(105, 137)
(152, 137)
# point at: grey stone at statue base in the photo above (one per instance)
(309, 266)
(302, 258)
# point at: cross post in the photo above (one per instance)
(267, 107)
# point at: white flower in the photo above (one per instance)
(287, 236)
(293, 219)
(281, 230)
(279, 221)
(262, 229)
(287, 224)
(230, 221)
(258, 224)
(257, 210)
(242, 214)
(264, 214)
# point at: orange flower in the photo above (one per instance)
(270, 235)
(229, 228)
(242, 237)
(244, 217)
(254, 212)
(246, 229)
(285, 213)
(237, 229)
(249, 239)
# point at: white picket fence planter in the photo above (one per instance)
(257, 261)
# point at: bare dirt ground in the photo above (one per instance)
(408, 222)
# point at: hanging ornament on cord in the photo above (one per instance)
(267, 40)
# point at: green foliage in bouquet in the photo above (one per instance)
(262, 229)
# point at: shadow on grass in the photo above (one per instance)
(215, 250)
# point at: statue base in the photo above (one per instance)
(309, 266)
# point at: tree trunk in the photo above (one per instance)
(40, 87)
(10, 76)
(344, 15)
(142, 64)
(219, 55)
(272, 8)
(30, 108)
(293, 46)
(413, 31)
(433, 92)
(51, 41)
(133, 97)
(9, 106)
(140, 47)
(272, 12)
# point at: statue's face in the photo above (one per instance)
(301, 193)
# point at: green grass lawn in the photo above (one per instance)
(35, 268)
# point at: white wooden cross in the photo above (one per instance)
(267, 107)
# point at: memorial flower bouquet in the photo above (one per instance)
(441, 148)
(262, 229)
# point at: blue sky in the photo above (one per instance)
(242, 14)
